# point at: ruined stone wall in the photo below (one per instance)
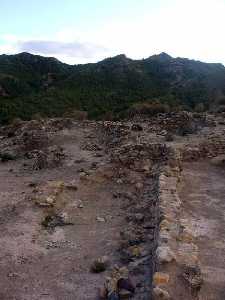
(208, 148)
(177, 274)
(129, 154)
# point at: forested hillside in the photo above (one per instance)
(31, 84)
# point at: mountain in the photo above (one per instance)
(31, 84)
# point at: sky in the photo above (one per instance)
(81, 31)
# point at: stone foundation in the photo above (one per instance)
(178, 274)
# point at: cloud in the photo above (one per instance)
(192, 29)
(58, 48)
(68, 49)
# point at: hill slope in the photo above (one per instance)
(31, 84)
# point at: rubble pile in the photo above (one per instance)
(114, 133)
(209, 147)
(180, 123)
(129, 154)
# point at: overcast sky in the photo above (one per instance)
(80, 31)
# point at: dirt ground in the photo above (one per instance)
(108, 201)
(54, 264)
(204, 206)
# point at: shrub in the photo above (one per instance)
(149, 109)
(108, 116)
(200, 107)
(77, 115)
(6, 156)
(37, 117)
(16, 122)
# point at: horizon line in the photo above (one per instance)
(110, 57)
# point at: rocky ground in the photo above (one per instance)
(79, 203)
(203, 193)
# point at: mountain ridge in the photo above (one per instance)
(31, 84)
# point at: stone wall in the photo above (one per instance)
(177, 274)
(128, 154)
(208, 148)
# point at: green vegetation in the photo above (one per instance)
(116, 87)
(6, 156)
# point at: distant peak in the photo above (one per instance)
(121, 58)
(29, 57)
(163, 56)
(25, 54)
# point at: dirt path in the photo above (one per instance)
(203, 200)
(39, 264)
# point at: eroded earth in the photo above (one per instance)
(73, 193)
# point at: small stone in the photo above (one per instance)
(57, 185)
(51, 221)
(169, 137)
(119, 181)
(139, 217)
(83, 175)
(148, 225)
(100, 264)
(125, 294)
(128, 195)
(100, 219)
(80, 204)
(160, 294)
(136, 127)
(126, 284)
(65, 218)
(165, 224)
(186, 236)
(165, 254)
(135, 251)
(32, 184)
(160, 278)
(115, 195)
(163, 132)
(139, 186)
(164, 237)
(13, 275)
(50, 200)
(137, 266)
(146, 168)
(72, 185)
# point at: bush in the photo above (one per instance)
(16, 122)
(108, 116)
(149, 109)
(199, 108)
(36, 117)
(77, 115)
(6, 156)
